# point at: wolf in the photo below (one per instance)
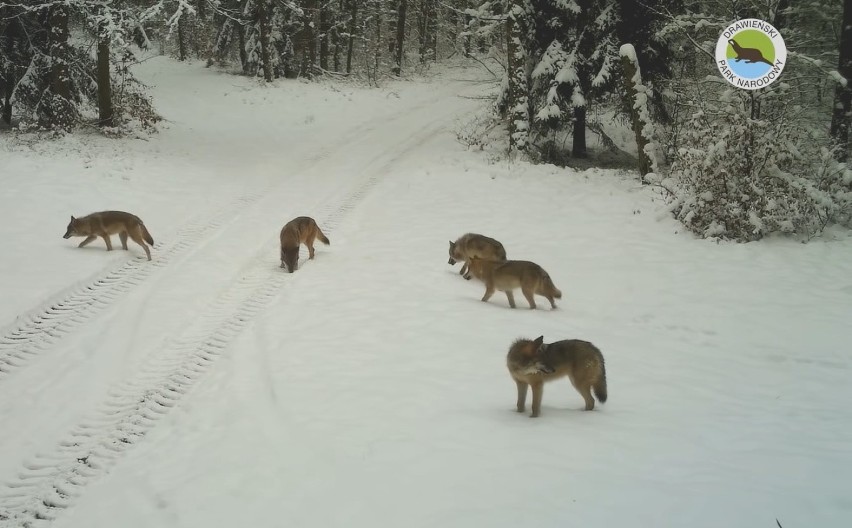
(106, 223)
(509, 275)
(474, 245)
(300, 230)
(533, 363)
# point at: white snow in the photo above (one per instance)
(627, 50)
(208, 388)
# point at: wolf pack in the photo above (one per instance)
(531, 362)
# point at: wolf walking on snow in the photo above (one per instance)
(533, 363)
(106, 223)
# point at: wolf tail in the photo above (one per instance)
(552, 287)
(600, 386)
(321, 237)
(146, 235)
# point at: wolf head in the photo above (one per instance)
(290, 259)
(452, 260)
(525, 357)
(72, 228)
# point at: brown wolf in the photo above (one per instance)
(474, 245)
(534, 363)
(300, 230)
(509, 275)
(106, 223)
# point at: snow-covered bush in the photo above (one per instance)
(741, 177)
(65, 64)
(133, 108)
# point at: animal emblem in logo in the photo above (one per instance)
(748, 54)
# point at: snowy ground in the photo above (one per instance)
(210, 389)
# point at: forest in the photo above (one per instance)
(731, 163)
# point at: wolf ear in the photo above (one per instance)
(72, 218)
(451, 243)
(538, 342)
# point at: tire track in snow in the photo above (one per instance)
(50, 482)
(36, 332)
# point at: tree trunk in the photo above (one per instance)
(7, 73)
(265, 56)
(422, 29)
(335, 36)
(335, 46)
(433, 20)
(7, 84)
(840, 117)
(427, 26)
(182, 36)
(60, 111)
(392, 21)
(578, 147)
(201, 30)
(105, 108)
(400, 36)
(353, 21)
(637, 105)
(518, 107)
(241, 34)
(6, 80)
(466, 46)
(6, 107)
(194, 26)
(307, 39)
(223, 40)
(325, 28)
(377, 47)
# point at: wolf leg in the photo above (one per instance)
(489, 291)
(136, 235)
(107, 241)
(511, 296)
(537, 390)
(88, 239)
(522, 395)
(530, 297)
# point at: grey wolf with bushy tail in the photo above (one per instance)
(106, 223)
(300, 230)
(472, 245)
(534, 363)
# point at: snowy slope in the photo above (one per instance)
(209, 388)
